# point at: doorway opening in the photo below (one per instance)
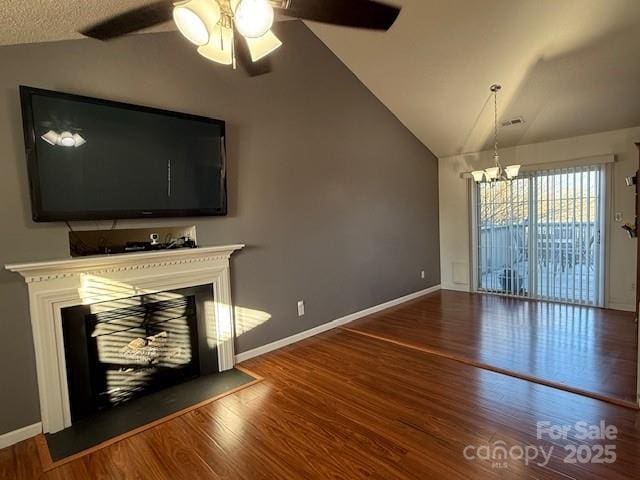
(540, 236)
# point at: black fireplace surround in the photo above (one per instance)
(121, 349)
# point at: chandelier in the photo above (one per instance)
(497, 172)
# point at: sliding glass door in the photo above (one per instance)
(539, 236)
(503, 237)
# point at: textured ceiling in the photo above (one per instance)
(569, 67)
(28, 21)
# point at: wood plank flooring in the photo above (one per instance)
(591, 350)
(345, 406)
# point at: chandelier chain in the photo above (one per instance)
(496, 173)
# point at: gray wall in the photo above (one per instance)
(336, 200)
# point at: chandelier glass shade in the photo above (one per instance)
(212, 24)
(497, 172)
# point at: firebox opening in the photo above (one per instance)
(122, 349)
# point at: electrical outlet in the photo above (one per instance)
(422, 274)
(300, 308)
(618, 217)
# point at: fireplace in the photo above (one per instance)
(103, 284)
(119, 350)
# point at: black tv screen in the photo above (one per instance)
(92, 159)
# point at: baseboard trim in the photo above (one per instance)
(17, 436)
(458, 287)
(269, 347)
(625, 307)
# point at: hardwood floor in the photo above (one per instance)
(589, 350)
(345, 406)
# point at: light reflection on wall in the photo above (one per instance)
(247, 319)
(221, 329)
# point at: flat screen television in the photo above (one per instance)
(92, 159)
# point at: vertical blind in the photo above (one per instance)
(539, 235)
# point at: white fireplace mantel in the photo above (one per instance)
(57, 284)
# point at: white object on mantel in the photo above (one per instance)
(54, 285)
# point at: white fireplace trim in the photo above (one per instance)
(54, 285)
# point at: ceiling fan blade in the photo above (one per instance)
(243, 57)
(368, 14)
(131, 21)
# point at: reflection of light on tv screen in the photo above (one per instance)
(134, 162)
(64, 139)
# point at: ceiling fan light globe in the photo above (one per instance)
(195, 19)
(254, 18)
(262, 46)
(190, 25)
(219, 48)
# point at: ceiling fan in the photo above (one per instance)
(239, 31)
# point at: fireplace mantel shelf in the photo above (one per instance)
(57, 284)
(52, 269)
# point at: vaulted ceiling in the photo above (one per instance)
(568, 67)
